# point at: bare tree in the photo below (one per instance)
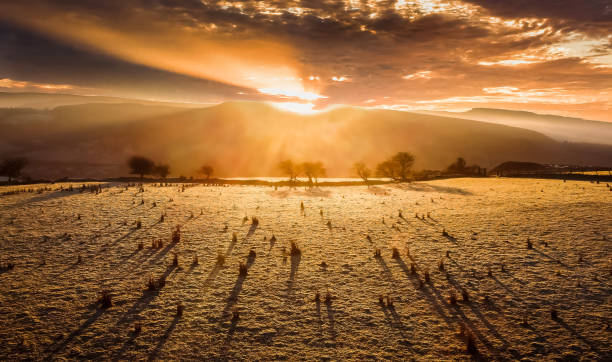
(207, 171)
(397, 167)
(313, 170)
(362, 171)
(11, 167)
(162, 171)
(141, 166)
(457, 166)
(290, 169)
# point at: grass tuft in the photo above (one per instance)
(176, 234)
(105, 299)
(452, 298)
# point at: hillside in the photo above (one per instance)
(248, 139)
(53, 100)
(557, 127)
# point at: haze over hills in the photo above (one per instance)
(250, 138)
(557, 127)
(52, 100)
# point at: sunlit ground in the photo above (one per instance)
(49, 309)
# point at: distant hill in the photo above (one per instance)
(52, 100)
(519, 167)
(249, 138)
(557, 127)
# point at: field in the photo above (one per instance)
(69, 246)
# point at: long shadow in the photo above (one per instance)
(318, 306)
(457, 265)
(160, 344)
(451, 238)
(50, 196)
(233, 297)
(586, 341)
(164, 251)
(252, 229)
(272, 242)
(425, 291)
(145, 299)
(424, 221)
(123, 237)
(550, 257)
(393, 319)
(385, 268)
(212, 275)
(295, 263)
(75, 333)
(506, 288)
(458, 313)
(331, 319)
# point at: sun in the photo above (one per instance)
(295, 107)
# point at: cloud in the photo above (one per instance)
(319, 52)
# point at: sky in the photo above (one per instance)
(547, 56)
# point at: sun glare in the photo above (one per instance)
(307, 96)
(295, 107)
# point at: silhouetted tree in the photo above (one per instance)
(397, 167)
(11, 167)
(313, 170)
(290, 169)
(162, 171)
(362, 171)
(458, 166)
(140, 166)
(207, 171)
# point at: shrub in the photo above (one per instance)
(452, 298)
(176, 234)
(395, 253)
(106, 299)
(328, 297)
(465, 295)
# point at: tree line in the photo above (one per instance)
(142, 166)
(397, 168)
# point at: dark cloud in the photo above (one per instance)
(589, 16)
